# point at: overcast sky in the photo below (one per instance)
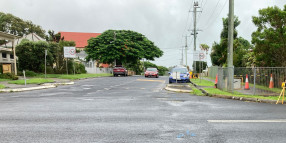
(162, 21)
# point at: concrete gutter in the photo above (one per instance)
(169, 88)
(43, 86)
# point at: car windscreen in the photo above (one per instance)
(181, 70)
(151, 69)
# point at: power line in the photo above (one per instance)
(218, 14)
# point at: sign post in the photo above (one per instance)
(69, 52)
(46, 52)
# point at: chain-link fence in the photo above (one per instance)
(265, 81)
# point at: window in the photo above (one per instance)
(11, 56)
(4, 55)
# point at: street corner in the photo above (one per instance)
(185, 88)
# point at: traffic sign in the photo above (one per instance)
(199, 56)
(69, 52)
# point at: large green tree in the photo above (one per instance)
(219, 50)
(17, 26)
(240, 47)
(125, 46)
(270, 37)
(31, 55)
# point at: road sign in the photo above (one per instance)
(199, 56)
(69, 52)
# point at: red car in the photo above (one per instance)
(119, 70)
(151, 72)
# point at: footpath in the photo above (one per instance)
(28, 87)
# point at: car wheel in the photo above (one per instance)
(157, 76)
(114, 75)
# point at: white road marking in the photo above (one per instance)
(15, 96)
(106, 88)
(248, 121)
(87, 99)
(86, 88)
(88, 85)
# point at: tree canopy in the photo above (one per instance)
(204, 47)
(240, 47)
(124, 46)
(270, 37)
(17, 26)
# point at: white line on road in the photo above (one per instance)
(248, 121)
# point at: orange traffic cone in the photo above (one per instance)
(271, 84)
(215, 86)
(246, 83)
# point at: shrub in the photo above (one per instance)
(50, 70)
(30, 73)
(9, 76)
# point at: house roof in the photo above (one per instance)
(31, 37)
(79, 38)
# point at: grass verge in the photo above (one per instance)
(2, 86)
(237, 94)
(73, 77)
(196, 91)
(3, 79)
(276, 90)
(31, 81)
(202, 82)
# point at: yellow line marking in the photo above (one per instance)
(151, 80)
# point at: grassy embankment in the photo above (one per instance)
(216, 91)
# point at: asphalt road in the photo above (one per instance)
(134, 109)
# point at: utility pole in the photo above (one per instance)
(182, 59)
(196, 5)
(186, 50)
(230, 67)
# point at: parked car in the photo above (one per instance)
(151, 72)
(119, 70)
(179, 74)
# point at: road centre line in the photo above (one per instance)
(248, 121)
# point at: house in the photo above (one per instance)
(7, 51)
(7, 60)
(30, 37)
(79, 38)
